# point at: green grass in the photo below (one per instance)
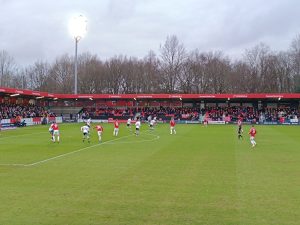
(198, 176)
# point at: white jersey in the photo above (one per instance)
(152, 122)
(85, 129)
(129, 121)
(88, 122)
(137, 124)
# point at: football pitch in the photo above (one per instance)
(198, 176)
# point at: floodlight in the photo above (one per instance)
(78, 26)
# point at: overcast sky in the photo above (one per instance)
(33, 30)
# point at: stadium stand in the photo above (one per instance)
(228, 114)
(266, 108)
(8, 111)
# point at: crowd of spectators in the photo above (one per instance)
(233, 113)
(106, 112)
(222, 113)
(187, 113)
(250, 114)
(144, 112)
(9, 111)
(275, 114)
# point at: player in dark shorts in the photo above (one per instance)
(240, 132)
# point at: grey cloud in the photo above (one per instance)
(33, 29)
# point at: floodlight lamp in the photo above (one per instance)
(78, 26)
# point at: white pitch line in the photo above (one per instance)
(11, 164)
(70, 153)
(66, 154)
(62, 155)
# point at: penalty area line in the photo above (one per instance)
(63, 155)
(73, 152)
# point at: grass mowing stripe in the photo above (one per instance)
(21, 135)
(156, 137)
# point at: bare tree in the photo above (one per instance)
(239, 77)
(256, 59)
(150, 75)
(90, 70)
(37, 75)
(197, 62)
(7, 68)
(279, 73)
(114, 72)
(129, 75)
(187, 78)
(295, 57)
(217, 69)
(61, 75)
(174, 71)
(173, 57)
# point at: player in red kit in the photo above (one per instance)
(116, 128)
(252, 133)
(172, 126)
(100, 130)
(205, 122)
(55, 128)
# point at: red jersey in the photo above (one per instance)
(116, 124)
(252, 132)
(54, 126)
(172, 123)
(99, 128)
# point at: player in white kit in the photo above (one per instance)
(86, 133)
(137, 127)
